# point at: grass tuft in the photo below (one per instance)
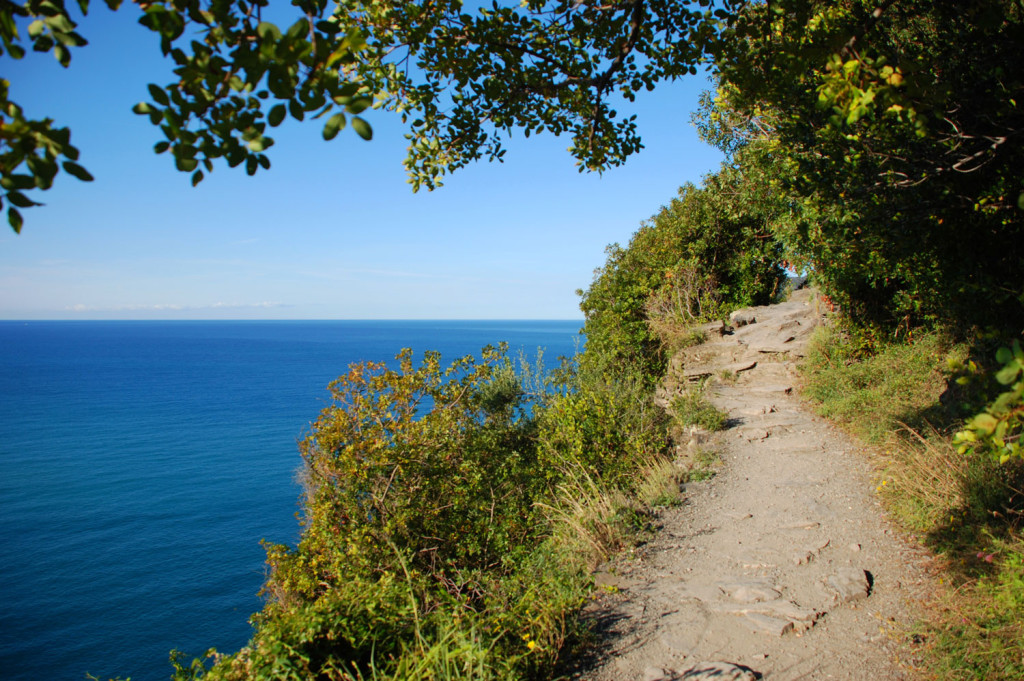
(692, 408)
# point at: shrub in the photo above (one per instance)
(705, 252)
(450, 519)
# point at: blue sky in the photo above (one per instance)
(332, 231)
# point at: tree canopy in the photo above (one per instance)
(461, 79)
(895, 133)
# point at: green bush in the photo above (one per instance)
(602, 429)
(448, 521)
(707, 251)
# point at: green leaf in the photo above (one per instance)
(20, 200)
(276, 115)
(61, 23)
(333, 125)
(186, 165)
(268, 30)
(1008, 373)
(362, 128)
(15, 220)
(18, 181)
(69, 151)
(298, 29)
(63, 55)
(261, 143)
(359, 105)
(143, 108)
(78, 171)
(158, 95)
(328, 27)
(197, 177)
(71, 39)
(984, 423)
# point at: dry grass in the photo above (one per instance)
(921, 478)
(598, 522)
(588, 517)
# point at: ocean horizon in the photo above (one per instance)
(143, 461)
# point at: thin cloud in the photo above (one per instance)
(175, 307)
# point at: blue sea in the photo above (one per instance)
(141, 463)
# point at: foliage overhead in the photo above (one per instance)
(463, 80)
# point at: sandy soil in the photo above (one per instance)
(782, 566)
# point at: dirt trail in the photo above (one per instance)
(779, 567)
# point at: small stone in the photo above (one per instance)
(793, 612)
(742, 318)
(773, 626)
(719, 671)
(855, 547)
(740, 367)
(753, 591)
(851, 584)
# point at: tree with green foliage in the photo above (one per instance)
(898, 124)
(420, 485)
(897, 130)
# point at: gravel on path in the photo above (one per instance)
(782, 566)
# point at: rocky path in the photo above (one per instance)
(779, 567)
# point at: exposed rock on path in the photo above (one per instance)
(781, 566)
